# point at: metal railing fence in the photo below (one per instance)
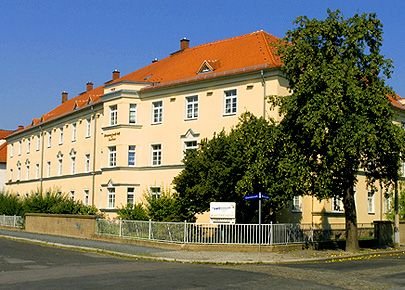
(11, 221)
(206, 233)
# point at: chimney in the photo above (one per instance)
(155, 60)
(64, 96)
(89, 86)
(20, 127)
(184, 43)
(115, 74)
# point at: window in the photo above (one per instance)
(192, 107)
(370, 201)
(230, 102)
(72, 195)
(130, 195)
(157, 112)
(28, 172)
(88, 127)
(11, 150)
(131, 155)
(37, 170)
(111, 198)
(86, 197)
(73, 164)
(87, 163)
(11, 174)
(28, 145)
(156, 154)
(60, 136)
(19, 147)
(113, 115)
(18, 172)
(387, 203)
(48, 169)
(49, 139)
(190, 145)
(337, 204)
(155, 192)
(60, 164)
(112, 159)
(132, 113)
(38, 143)
(74, 132)
(297, 203)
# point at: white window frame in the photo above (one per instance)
(112, 156)
(130, 195)
(131, 155)
(230, 102)
(72, 195)
(87, 163)
(297, 204)
(19, 147)
(60, 166)
(88, 127)
(111, 197)
(73, 164)
(113, 115)
(18, 172)
(28, 145)
(86, 197)
(336, 204)
(190, 144)
(157, 112)
(49, 139)
(38, 143)
(155, 191)
(371, 201)
(132, 114)
(27, 173)
(61, 136)
(156, 154)
(74, 132)
(48, 168)
(37, 170)
(191, 108)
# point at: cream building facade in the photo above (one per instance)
(113, 144)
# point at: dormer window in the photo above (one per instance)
(208, 66)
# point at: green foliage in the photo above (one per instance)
(401, 206)
(338, 118)
(10, 204)
(164, 208)
(133, 212)
(52, 203)
(229, 166)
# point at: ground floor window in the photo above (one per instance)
(297, 203)
(337, 204)
(155, 192)
(111, 198)
(130, 195)
(370, 201)
(86, 197)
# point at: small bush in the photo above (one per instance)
(10, 204)
(165, 208)
(133, 212)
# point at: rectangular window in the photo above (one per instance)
(155, 192)
(111, 198)
(72, 195)
(113, 115)
(74, 132)
(337, 204)
(387, 203)
(156, 154)
(297, 203)
(19, 173)
(88, 127)
(36, 170)
(28, 145)
(28, 172)
(49, 139)
(48, 169)
(130, 195)
(60, 136)
(230, 102)
(38, 143)
(87, 163)
(192, 107)
(370, 201)
(60, 163)
(73, 167)
(132, 113)
(19, 147)
(86, 197)
(190, 145)
(131, 155)
(157, 112)
(112, 158)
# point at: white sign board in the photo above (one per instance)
(222, 212)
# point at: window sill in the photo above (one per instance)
(371, 213)
(227, 115)
(158, 123)
(191, 119)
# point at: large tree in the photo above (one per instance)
(231, 165)
(338, 119)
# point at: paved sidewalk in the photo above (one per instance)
(188, 256)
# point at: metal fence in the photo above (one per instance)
(193, 233)
(11, 221)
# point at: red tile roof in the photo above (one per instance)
(3, 153)
(5, 133)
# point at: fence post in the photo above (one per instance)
(150, 229)
(14, 221)
(120, 234)
(185, 232)
(271, 233)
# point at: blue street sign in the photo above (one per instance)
(256, 196)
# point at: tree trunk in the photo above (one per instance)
(349, 203)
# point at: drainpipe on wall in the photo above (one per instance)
(264, 93)
(93, 172)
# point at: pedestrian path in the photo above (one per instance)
(188, 256)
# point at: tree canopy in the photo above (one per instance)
(338, 119)
(231, 165)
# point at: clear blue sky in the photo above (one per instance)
(48, 46)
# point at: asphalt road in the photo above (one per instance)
(29, 266)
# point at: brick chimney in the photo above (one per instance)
(115, 74)
(89, 86)
(64, 96)
(184, 43)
